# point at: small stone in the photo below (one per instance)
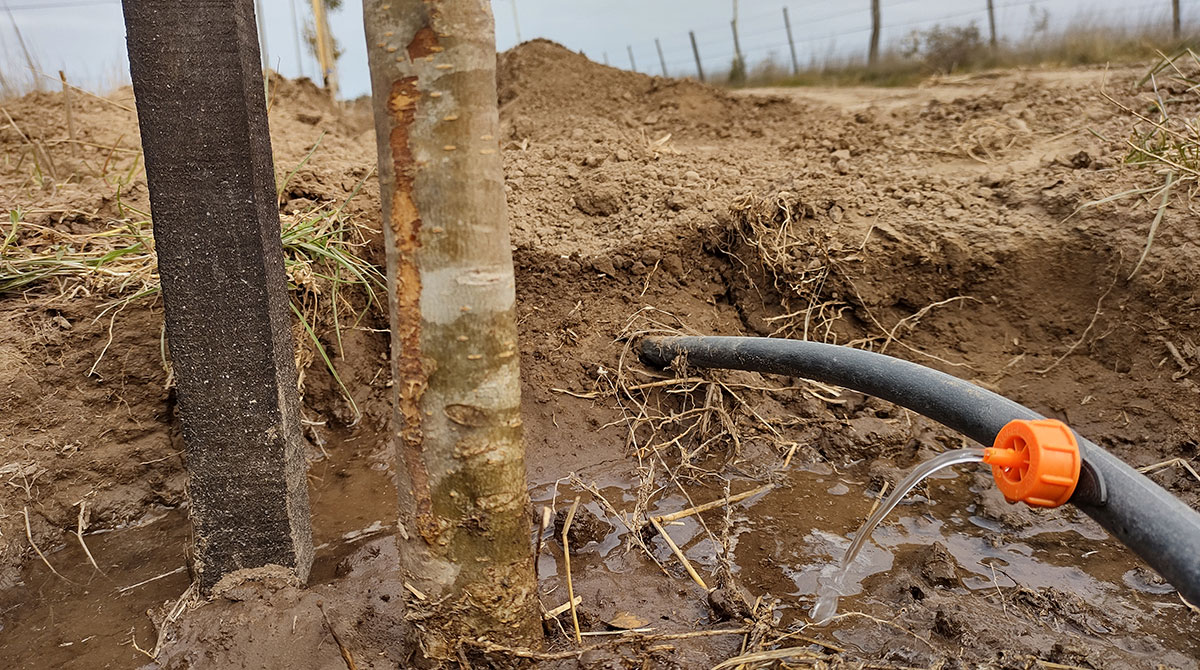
(1080, 160)
(622, 155)
(626, 621)
(604, 266)
(673, 264)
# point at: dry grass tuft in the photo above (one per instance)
(1164, 139)
(332, 286)
(799, 256)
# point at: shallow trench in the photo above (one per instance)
(936, 577)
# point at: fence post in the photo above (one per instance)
(300, 69)
(992, 21)
(661, 61)
(873, 51)
(325, 49)
(605, 54)
(516, 21)
(632, 62)
(203, 117)
(787, 23)
(696, 53)
(262, 35)
(738, 73)
(1175, 18)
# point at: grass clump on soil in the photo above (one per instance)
(1164, 139)
(325, 269)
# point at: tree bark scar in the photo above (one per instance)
(424, 43)
(405, 222)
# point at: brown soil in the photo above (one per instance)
(940, 215)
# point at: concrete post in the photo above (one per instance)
(198, 82)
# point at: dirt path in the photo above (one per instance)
(936, 224)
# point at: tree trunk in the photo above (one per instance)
(464, 507)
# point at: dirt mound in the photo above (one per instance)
(937, 224)
(545, 90)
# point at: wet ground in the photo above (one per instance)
(936, 223)
(937, 548)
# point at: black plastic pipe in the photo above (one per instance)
(1156, 525)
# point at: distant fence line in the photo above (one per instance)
(766, 44)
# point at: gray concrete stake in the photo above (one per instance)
(198, 82)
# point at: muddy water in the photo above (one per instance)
(1066, 552)
(781, 543)
(90, 620)
(826, 605)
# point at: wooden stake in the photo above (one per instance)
(67, 105)
(661, 61)
(300, 69)
(873, 49)
(696, 53)
(787, 23)
(325, 49)
(33, 69)
(992, 21)
(739, 73)
(632, 62)
(516, 22)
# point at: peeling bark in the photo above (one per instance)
(464, 506)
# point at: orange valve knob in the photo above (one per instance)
(1036, 462)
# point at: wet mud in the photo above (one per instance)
(643, 205)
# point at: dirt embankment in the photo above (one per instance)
(938, 224)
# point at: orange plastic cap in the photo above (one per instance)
(1036, 462)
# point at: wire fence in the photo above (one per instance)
(659, 37)
(818, 37)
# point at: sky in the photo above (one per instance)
(86, 38)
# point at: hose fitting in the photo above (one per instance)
(1035, 461)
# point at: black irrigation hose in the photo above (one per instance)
(1153, 523)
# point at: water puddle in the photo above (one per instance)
(792, 542)
(89, 620)
(786, 543)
